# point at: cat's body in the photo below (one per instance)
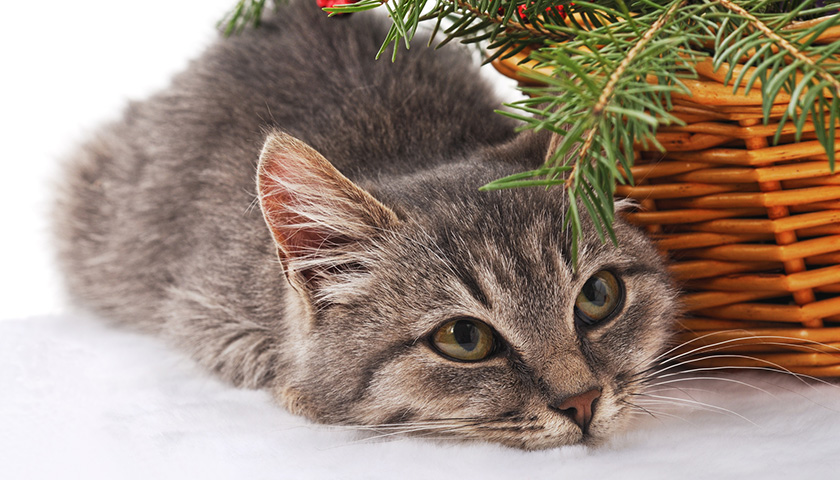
(162, 226)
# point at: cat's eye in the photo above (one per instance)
(465, 339)
(599, 299)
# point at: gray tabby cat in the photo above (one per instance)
(362, 278)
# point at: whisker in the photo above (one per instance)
(665, 354)
(733, 343)
(782, 387)
(639, 407)
(648, 405)
(701, 405)
(431, 422)
(661, 364)
(430, 429)
(720, 379)
(684, 361)
(772, 367)
(681, 389)
(644, 409)
(374, 432)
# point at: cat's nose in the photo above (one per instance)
(579, 407)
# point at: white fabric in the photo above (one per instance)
(82, 400)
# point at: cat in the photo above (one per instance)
(304, 219)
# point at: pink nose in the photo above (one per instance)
(579, 407)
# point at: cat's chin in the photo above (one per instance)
(546, 440)
(564, 437)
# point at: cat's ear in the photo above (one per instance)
(316, 215)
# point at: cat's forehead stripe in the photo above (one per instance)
(469, 281)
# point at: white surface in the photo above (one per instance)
(88, 401)
(81, 400)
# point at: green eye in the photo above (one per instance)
(599, 299)
(465, 339)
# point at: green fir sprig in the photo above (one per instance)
(600, 56)
(246, 12)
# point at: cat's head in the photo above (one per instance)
(456, 313)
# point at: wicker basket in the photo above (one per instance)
(752, 229)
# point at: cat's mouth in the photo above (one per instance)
(546, 438)
(540, 432)
(554, 429)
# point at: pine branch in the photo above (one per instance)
(596, 59)
(246, 12)
(609, 88)
(795, 52)
(785, 58)
(509, 26)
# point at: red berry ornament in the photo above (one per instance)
(520, 10)
(332, 3)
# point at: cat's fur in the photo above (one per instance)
(161, 226)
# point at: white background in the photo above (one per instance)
(67, 66)
(80, 400)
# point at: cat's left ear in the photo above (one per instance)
(316, 215)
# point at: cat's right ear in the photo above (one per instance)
(316, 215)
